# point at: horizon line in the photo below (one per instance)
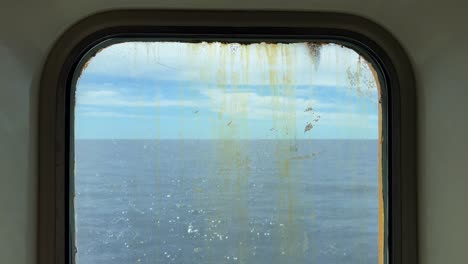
(222, 139)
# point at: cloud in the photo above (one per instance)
(116, 98)
(254, 106)
(232, 63)
(112, 115)
(343, 119)
(241, 104)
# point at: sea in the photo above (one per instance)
(226, 201)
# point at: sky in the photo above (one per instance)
(175, 90)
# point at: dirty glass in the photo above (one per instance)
(227, 153)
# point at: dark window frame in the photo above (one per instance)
(55, 226)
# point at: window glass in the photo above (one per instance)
(216, 152)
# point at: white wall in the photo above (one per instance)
(433, 32)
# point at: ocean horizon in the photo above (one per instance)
(226, 200)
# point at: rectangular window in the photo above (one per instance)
(210, 152)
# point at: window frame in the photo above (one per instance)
(94, 33)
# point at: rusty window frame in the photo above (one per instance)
(55, 223)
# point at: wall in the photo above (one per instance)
(432, 32)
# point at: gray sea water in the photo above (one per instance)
(214, 201)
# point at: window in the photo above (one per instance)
(186, 145)
(227, 152)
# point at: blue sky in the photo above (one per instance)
(171, 90)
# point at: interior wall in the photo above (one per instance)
(433, 33)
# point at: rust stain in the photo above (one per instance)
(308, 127)
(278, 62)
(315, 52)
(381, 191)
(381, 142)
(88, 62)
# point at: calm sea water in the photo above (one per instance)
(202, 201)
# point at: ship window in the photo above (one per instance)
(228, 152)
(227, 137)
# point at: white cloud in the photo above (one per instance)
(244, 105)
(115, 98)
(234, 64)
(254, 106)
(284, 110)
(348, 119)
(112, 115)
